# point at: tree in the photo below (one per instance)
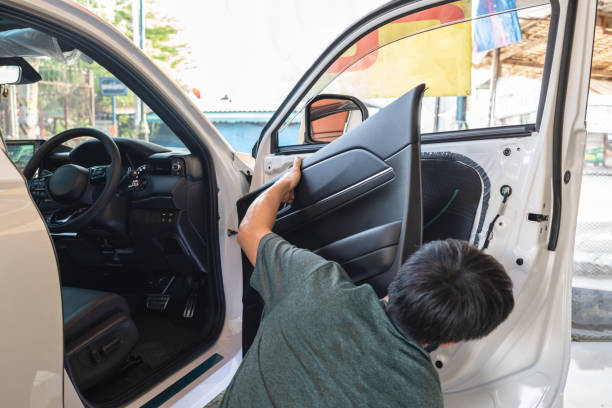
(160, 32)
(68, 95)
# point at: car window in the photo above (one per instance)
(482, 63)
(75, 91)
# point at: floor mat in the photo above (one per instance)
(160, 341)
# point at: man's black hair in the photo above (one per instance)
(450, 291)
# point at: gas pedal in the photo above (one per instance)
(190, 306)
(157, 302)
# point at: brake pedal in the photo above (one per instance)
(157, 302)
(190, 306)
(160, 301)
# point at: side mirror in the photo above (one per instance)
(10, 74)
(327, 117)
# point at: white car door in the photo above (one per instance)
(529, 227)
(32, 373)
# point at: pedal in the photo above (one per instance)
(157, 302)
(190, 306)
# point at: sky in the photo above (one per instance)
(255, 51)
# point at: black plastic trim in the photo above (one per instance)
(300, 217)
(550, 49)
(502, 132)
(301, 149)
(557, 139)
(355, 246)
(148, 92)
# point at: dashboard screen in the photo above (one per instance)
(20, 153)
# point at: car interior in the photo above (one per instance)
(138, 277)
(131, 222)
(136, 281)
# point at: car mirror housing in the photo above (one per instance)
(328, 117)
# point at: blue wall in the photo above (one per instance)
(240, 134)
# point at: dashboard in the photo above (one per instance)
(159, 211)
(146, 167)
(160, 188)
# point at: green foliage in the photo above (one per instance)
(63, 98)
(158, 37)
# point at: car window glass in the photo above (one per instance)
(76, 92)
(482, 63)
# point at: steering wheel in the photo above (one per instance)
(72, 186)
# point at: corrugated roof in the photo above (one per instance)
(526, 58)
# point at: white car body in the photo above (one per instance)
(523, 363)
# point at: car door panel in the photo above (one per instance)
(361, 191)
(290, 219)
(367, 253)
(338, 173)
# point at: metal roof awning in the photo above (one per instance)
(526, 58)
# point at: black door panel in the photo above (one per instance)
(289, 219)
(335, 174)
(367, 253)
(361, 191)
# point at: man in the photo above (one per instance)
(324, 342)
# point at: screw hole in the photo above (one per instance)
(519, 261)
(439, 364)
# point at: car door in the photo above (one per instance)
(31, 313)
(31, 310)
(499, 148)
(374, 183)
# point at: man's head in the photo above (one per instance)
(450, 291)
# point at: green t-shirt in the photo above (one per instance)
(324, 342)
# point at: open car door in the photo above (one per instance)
(358, 202)
(501, 153)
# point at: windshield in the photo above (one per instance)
(74, 91)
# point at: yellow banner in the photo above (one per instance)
(392, 60)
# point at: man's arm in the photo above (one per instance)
(261, 215)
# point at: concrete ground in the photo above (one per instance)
(589, 381)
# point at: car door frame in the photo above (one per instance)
(122, 58)
(32, 319)
(566, 77)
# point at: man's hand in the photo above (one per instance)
(289, 181)
(260, 217)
